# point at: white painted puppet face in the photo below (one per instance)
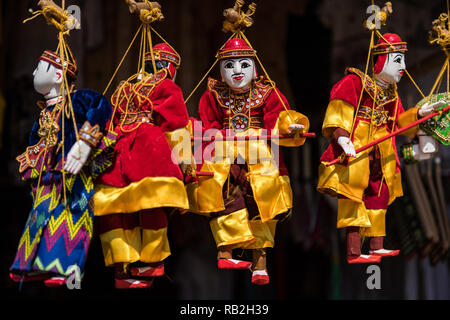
(394, 68)
(47, 79)
(238, 73)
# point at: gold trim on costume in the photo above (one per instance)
(148, 193)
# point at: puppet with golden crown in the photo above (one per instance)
(144, 184)
(66, 153)
(250, 190)
(362, 109)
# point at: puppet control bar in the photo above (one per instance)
(394, 133)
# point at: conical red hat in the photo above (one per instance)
(162, 51)
(390, 42)
(55, 60)
(235, 48)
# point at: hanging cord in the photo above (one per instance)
(364, 84)
(122, 60)
(267, 75)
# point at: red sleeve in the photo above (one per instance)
(347, 89)
(273, 107)
(210, 114)
(168, 104)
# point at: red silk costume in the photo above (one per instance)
(366, 185)
(143, 180)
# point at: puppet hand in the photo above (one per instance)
(187, 169)
(296, 128)
(347, 146)
(77, 157)
(428, 108)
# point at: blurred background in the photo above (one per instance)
(305, 45)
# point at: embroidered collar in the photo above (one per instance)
(250, 99)
(383, 96)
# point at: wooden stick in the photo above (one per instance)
(57, 13)
(394, 133)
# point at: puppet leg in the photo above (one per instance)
(353, 216)
(155, 244)
(120, 235)
(376, 198)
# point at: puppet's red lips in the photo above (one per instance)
(402, 72)
(238, 78)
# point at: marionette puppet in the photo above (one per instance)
(132, 199)
(67, 150)
(245, 197)
(361, 167)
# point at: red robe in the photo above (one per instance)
(142, 149)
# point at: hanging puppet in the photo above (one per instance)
(361, 166)
(246, 195)
(143, 185)
(67, 151)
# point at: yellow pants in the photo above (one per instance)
(128, 246)
(237, 231)
(355, 214)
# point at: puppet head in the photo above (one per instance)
(390, 58)
(237, 64)
(48, 75)
(165, 57)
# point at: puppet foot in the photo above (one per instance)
(55, 282)
(148, 271)
(233, 264)
(384, 253)
(364, 259)
(133, 283)
(260, 277)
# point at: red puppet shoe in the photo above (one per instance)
(364, 259)
(148, 271)
(55, 282)
(233, 264)
(133, 283)
(384, 253)
(260, 277)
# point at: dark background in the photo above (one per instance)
(305, 45)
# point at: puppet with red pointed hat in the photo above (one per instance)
(144, 184)
(247, 196)
(362, 109)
